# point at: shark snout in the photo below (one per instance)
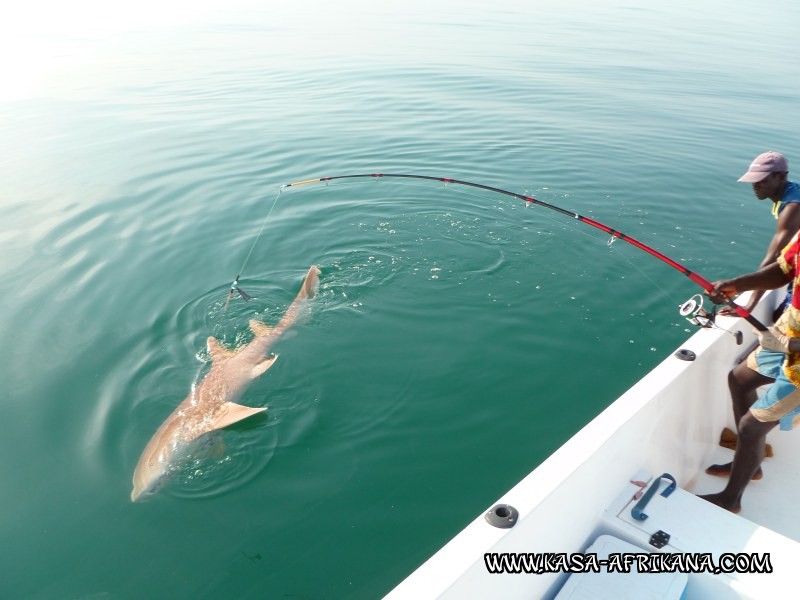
(145, 485)
(139, 495)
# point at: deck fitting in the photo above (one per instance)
(503, 516)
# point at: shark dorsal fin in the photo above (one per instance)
(233, 413)
(217, 351)
(260, 329)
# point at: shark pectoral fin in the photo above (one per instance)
(217, 351)
(233, 413)
(265, 364)
(259, 329)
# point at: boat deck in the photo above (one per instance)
(773, 500)
(668, 422)
(696, 528)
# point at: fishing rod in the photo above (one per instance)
(696, 278)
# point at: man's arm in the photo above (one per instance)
(787, 225)
(767, 278)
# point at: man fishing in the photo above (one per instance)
(776, 360)
(769, 175)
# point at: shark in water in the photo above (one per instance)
(212, 404)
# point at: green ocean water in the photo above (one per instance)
(459, 337)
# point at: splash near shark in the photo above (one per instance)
(213, 403)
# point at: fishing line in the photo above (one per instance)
(694, 277)
(235, 285)
(261, 230)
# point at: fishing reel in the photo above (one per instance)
(692, 310)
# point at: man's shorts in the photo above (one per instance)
(781, 402)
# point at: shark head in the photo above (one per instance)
(181, 438)
(149, 477)
(142, 491)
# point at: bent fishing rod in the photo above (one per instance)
(696, 278)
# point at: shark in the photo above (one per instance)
(213, 403)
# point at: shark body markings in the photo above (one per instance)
(212, 404)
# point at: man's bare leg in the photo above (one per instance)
(742, 383)
(747, 460)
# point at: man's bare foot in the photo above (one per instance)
(725, 471)
(722, 503)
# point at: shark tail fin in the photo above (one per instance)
(217, 351)
(307, 292)
(233, 413)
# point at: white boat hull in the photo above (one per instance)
(670, 421)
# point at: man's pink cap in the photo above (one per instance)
(763, 165)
